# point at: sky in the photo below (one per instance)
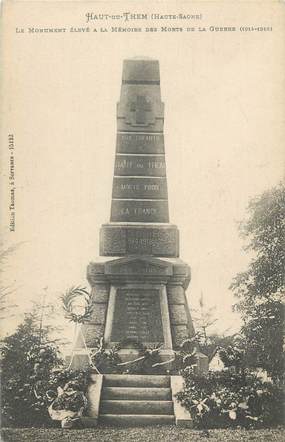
(224, 122)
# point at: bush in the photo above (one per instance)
(28, 360)
(60, 377)
(225, 399)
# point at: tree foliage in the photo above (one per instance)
(28, 358)
(260, 289)
(233, 356)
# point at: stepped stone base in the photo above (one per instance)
(134, 400)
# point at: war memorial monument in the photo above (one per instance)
(138, 282)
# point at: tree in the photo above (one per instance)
(48, 317)
(260, 289)
(203, 319)
(28, 358)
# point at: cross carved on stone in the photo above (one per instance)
(141, 107)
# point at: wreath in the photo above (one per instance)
(130, 343)
(68, 299)
(145, 354)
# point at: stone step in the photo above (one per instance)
(136, 407)
(136, 419)
(125, 380)
(136, 394)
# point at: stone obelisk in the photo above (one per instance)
(139, 281)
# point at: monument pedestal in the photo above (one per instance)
(140, 298)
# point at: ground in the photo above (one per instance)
(146, 434)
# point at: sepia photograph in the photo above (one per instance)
(143, 220)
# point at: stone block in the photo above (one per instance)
(175, 295)
(118, 240)
(94, 395)
(136, 419)
(113, 240)
(177, 314)
(138, 266)
(98, 314)
(100, 293)
(140, 108)
(140, 143)
(202, 363)
(136, 394)
(132, 380)
(136, 407)
(140, 188)
(140, 70)
(182, 416)
(150, 211)
(148, 165)
(92, 332)
(179, 334)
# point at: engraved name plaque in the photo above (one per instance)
(140, 143)
(137, 316)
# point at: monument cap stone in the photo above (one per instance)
(141, 69)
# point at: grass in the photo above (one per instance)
(143, 434)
